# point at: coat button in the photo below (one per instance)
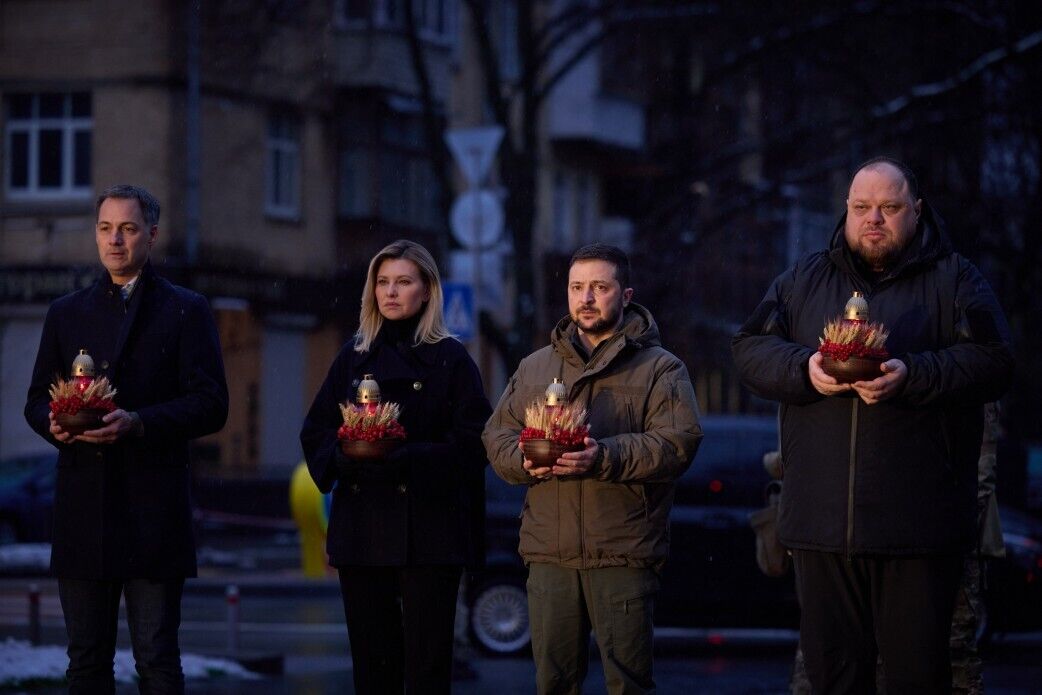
(104, 364)
(403, 488)
(417, 385)
(354, 488)
(100, 456)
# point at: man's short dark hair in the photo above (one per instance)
(906, 171)
(145, 200)
(608, 253)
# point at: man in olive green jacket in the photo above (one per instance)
(595, 525)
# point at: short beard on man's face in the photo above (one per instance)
(877, 256)
(602, 325)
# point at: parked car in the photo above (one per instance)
(27, 498)
(711, 579)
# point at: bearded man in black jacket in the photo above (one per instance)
(880, 478)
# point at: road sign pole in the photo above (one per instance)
(478, 342)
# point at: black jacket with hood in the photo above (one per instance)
(897, 477)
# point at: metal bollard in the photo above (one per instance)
(34, 614)
(231, 595)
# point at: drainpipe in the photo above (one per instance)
(192, 136)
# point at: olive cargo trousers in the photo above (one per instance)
(616, 602)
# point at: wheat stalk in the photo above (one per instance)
(356, 415)
(100, 388)
(842, 332)
(566, 417)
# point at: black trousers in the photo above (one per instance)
(400, 621)
(897, 608)
(91, 609)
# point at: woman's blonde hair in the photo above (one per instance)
(432, 327)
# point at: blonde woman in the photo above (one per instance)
(402, 530)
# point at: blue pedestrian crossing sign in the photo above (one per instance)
(460, 317)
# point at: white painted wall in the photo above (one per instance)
(282, 400)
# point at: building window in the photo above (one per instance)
(283, 166)
(561, 230)
(504, 33)
(48, 146)
(355, 199)
(385, 170)
(435, 19)
(409, 191)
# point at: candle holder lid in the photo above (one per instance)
(556, 393)
(368, 390)
(83, 365)
(856, 308)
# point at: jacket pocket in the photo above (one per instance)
(617, 410)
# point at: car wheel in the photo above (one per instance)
(499, 617)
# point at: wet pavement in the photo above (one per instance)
(298, 623)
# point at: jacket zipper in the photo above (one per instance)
(850, 479)
(582, 489)
(582, 531)
(588, 386)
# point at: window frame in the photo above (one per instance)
(380, 18)
(397, 183)
(286, 148)
(69, 126)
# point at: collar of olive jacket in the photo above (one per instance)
(638, 331)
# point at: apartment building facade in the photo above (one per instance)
(287, 144)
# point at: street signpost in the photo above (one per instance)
(460, 317)
(476, 221)
(474, 149)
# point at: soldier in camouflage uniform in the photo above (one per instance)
(969, 605)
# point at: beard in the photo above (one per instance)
(601, 323)
(877, 256)
(880, 254)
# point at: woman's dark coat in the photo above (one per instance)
(426, 504)
(898, 477)
(122, 510)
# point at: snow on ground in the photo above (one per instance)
(25, 557)
(20, 662)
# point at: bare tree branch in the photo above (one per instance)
(966, 74)
(489, 63)
(432, 123)
(577, 56)
(611, 14)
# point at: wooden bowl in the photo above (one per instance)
(85, 419)
(362, 450)
(852, 369)
(544, 452)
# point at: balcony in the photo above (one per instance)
(378, 58)
(578, 111)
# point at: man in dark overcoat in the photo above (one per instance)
(122, 518)
(880, 502)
